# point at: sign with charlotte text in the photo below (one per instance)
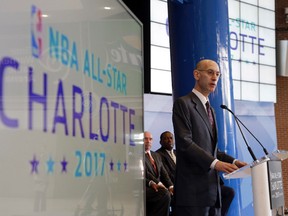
(71, 109)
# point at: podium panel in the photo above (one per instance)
(267, 182)
(275, 184)
(260, 188)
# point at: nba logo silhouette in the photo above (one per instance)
(36, 31)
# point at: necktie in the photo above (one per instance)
(172, 156)
(152, 162)
(209, 113)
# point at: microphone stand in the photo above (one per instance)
(237, 121)
(264, 149)
(248, 147)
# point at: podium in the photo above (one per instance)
(267, 182)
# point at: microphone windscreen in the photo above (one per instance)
(223, 106)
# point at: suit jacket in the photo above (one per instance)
(168, 162)
(161, 175)
(196, 184)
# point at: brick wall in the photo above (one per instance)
(281, 107)
(281, 112)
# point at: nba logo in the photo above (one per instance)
(36, 31)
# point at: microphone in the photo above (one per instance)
(237, 120)
(264, 149)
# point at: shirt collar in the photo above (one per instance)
(201, 97)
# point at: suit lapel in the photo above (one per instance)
(202, 112)
(168, 157)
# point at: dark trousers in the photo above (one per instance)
(227, 195)
(199, 211)
(157, 203)
(172, 205)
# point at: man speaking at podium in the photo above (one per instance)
(197, 183)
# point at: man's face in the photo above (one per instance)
(147, 141)
(207, 77)
(167, 141)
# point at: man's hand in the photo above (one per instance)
(225, 167)
(240, 164)
(171, 190)
(156, 186)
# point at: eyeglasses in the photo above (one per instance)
(211, 73)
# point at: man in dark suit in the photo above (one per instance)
(159, 187)
(197, 183)
(168, 155)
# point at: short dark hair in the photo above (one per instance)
(162, 134)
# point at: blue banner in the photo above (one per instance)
(200, 30)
